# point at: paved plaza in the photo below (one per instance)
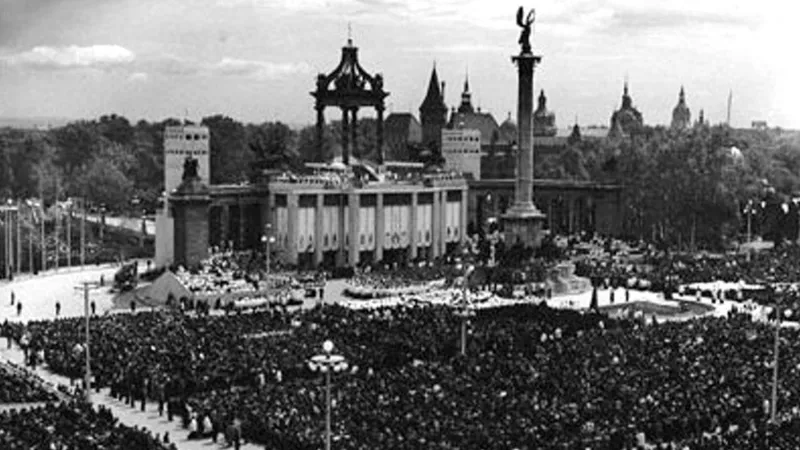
(39, 295)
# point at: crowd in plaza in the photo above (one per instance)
(72, 425)
(532, 377)
(16, 386)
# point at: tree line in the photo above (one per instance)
(687, 188)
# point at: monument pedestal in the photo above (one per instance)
(522, 224)
(190, 204)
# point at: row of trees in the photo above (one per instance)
(692, 188)
(111, 161)
(681, 188)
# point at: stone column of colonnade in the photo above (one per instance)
(380, 225)
(319, 222)
(292, 200)
(413, 227)
(442, 231)
(354, 203)
(225, 226)
(434, 249)
(464, 215)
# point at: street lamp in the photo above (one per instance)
(87, 374)
(8, 235)
(267, 239)
(327, 362)
(774, 403)
(464, 311)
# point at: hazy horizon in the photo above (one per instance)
(256, 60)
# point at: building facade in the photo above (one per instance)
(461, 149)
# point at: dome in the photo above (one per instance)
(681, 116)
(509, 129)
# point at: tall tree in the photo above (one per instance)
(230, 155)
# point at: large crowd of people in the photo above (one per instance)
(72, 425)
(532, 377)
(16, 386)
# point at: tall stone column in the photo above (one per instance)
(523, 221)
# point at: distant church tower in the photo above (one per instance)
(433, 114)
(466, 99)
(627, 119)
(681, 116)
(544, 121)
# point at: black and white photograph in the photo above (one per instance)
(399, 225)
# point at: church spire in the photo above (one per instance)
(434, 97)
(627, 102)
(681, 116)
(466, 98)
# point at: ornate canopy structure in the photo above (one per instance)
(350, 87)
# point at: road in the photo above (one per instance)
(38, 295)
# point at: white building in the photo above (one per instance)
(180, 142)
(461, 149)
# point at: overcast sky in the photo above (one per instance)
(256, 60)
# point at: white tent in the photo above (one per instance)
(166, 284)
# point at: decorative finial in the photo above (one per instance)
(349, 33)
(525, 34)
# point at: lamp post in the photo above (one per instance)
(267, 239)
(44, 239)
(83, 231)
(464, 311)
(68, 205)
(327, 362)
(19, 241)
(57, 229)
(30, 235)
(773, 413)
(8, 236)
(102, 220)
(87, 375)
